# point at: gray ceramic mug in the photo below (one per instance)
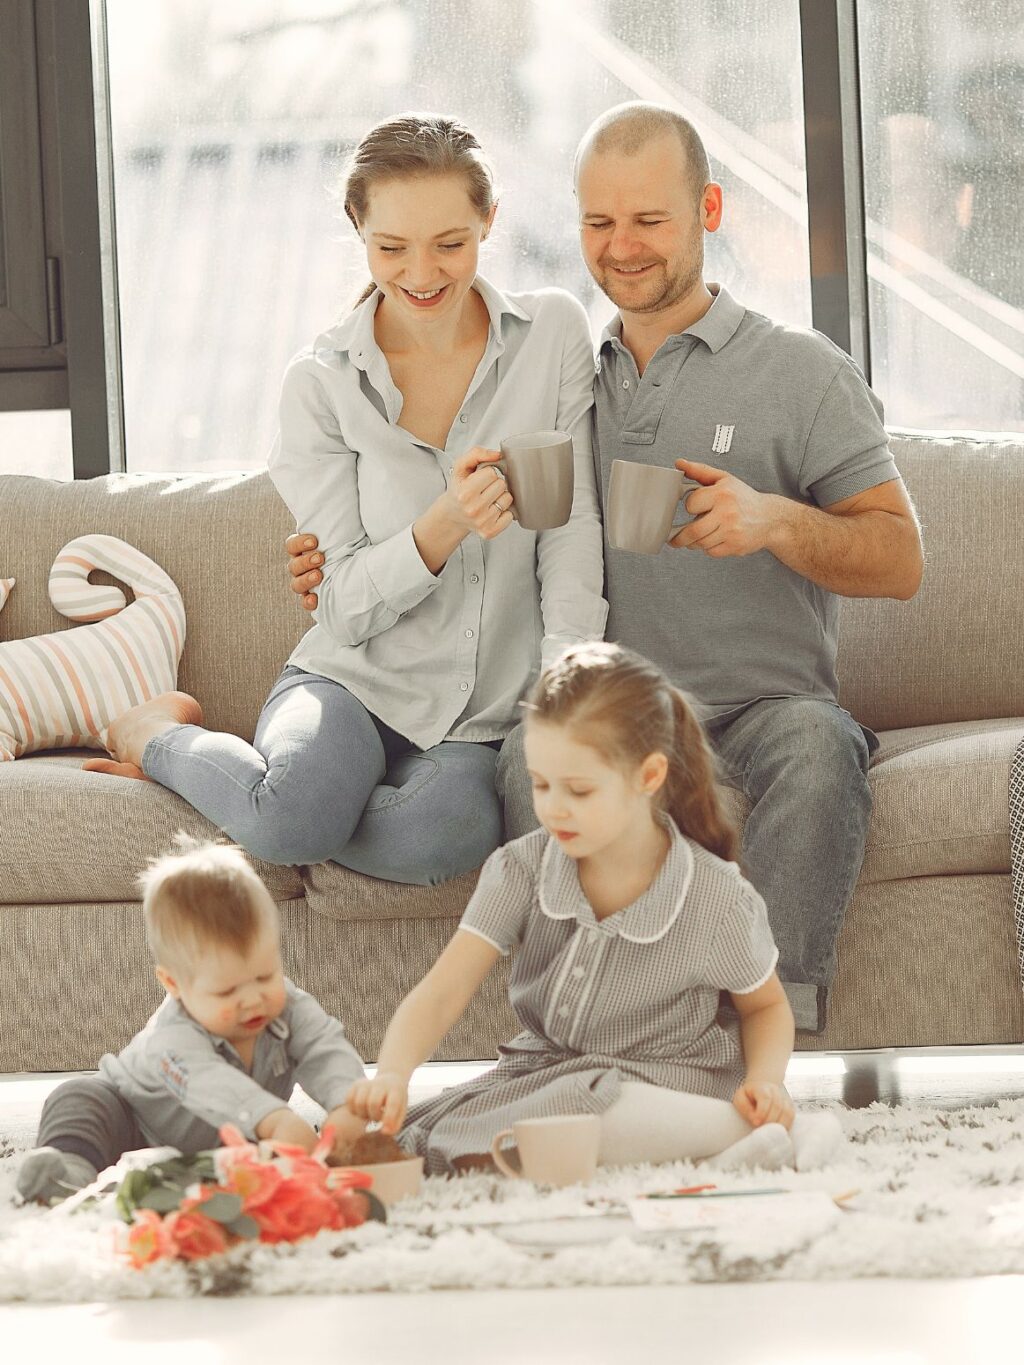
(538, 468)
(642, 502)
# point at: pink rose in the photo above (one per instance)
(148, 1239)
(295, 1210)
(194, 1236)
(253, 1183)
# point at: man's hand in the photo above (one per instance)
(304, 567)
(763, 1102)
(385, 1098)
(730, 517)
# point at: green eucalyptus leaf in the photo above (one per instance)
(162, 1199)
(244, 1226)
(221, 1207)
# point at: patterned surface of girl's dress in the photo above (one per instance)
(635, 995)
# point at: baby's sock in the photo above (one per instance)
(48, 1175)
(817, 1139)
(767, 1148)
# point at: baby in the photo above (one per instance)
(226, 1046)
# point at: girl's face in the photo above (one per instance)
(581, 799)
(422, 238)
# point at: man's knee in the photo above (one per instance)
(814, 745)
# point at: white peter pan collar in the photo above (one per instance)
(646, 920)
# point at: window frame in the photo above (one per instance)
(74, 114)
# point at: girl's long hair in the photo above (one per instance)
(412, 145)
(621, 705)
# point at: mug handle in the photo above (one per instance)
(691, 486)
(499, 465)
(499, 1160)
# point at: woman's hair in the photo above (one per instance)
(202, 896)
(411, 145)
(621, 705)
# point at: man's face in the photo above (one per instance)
(642, 225)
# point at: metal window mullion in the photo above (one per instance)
(835, 175)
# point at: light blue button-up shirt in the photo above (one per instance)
(446, 656)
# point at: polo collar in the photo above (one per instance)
(354, 337)
(646, 920)
(717, 327)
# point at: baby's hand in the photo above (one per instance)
(763, 1102)
(385, 1098)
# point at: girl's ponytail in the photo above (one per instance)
(691, 796)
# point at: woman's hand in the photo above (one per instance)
(477, 499)
(304, 567)
(384, 1100)
(763, 1102)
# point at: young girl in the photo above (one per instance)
(630, 918)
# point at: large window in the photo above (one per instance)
(232, 120)
(943, 119)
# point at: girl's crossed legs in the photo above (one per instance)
(325, 779)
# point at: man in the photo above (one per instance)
(800, 503)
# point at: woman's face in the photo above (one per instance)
(422, 240)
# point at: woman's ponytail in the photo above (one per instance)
(691, 795)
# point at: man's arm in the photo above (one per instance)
(868, 545)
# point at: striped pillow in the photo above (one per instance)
(63, 690)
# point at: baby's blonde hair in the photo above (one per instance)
(203, 895)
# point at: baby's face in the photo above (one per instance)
(236, 995)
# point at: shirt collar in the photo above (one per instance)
(717, 327)
(646, 920)
(354, 337)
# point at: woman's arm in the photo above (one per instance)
(418, 1025)
(570, 559)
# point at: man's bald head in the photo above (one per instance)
(628, 127)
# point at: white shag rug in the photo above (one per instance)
(941, 1194)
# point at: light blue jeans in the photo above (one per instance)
(803, 765)
(324, 779)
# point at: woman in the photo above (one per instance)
(378, 745)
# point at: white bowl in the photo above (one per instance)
(395, 1180)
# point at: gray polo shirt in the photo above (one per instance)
(786, 411)
(183, 1082)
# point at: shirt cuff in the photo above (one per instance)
(254, 1111)
(396, 569)
(836, 487)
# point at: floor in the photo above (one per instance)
(884, 1322)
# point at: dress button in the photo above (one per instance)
(592, 936)
(577, 972)
(469, 635)
(463, 687)
(474, 578)
(563, 1010)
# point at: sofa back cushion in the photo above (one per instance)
(956, 650)
(220, 538)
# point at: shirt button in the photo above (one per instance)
(469, 635)
(463, 417)
(625, 383)
(463, 687)
(577, 972)
(474, 578)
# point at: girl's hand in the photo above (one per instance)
(384, 1099)
(477, 499)
(763, 1102)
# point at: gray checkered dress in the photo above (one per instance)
(633, 996)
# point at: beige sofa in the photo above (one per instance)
(927, 953)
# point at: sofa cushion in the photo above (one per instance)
(941, 806)
(334, 891)
(953, 652)
(72, 836)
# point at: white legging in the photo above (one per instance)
(648, 1123)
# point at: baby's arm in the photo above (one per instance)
(208, 1086)
(766, 1032)
(420, 1022)
(326, 1063)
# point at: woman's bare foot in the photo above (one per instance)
(129, 734)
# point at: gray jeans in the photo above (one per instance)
(802, 764)
(325, 779)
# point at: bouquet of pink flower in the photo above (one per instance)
(190, 1207)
